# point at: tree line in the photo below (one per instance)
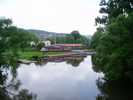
(12, 40)
(73, 38)
(113, 40)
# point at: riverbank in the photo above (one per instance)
(28, 55)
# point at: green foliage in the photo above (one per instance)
(113, 45)
(40, 45)
(30, 54)
(12, 39)
(74, 37)
(112, 9)
(85, 40)
(69, 39)
(96, 38)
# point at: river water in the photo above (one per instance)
(67, 80)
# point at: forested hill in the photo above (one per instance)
(45, 34)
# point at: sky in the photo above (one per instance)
(52, 15)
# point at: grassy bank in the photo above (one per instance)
(29, 54)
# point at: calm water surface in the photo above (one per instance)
(68, 80)
(60, 81)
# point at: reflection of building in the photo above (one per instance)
(62, 47)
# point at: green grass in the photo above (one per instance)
(29, 54)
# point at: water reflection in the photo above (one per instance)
(70, 79)
(10, 88)
(114, 90)
(60, 81)
(74, 61)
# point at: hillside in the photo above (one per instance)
(45, 34)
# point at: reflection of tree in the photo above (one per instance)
(10, 89)
(24, 95)
(10, 45)
(3, 92)
(95, 67)
(41, 63)
(114, 90)
(75, 61)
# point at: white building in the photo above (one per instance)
(32, 43)
(47, 43)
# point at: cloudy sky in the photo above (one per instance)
(52, 15)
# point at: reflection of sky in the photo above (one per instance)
(60, 81)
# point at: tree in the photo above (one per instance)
(112, 9)
(96, 37)
(114, 90)
(12, 39)
(114, 43)
(76, 35)
(40, 45)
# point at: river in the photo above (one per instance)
(67, 80)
